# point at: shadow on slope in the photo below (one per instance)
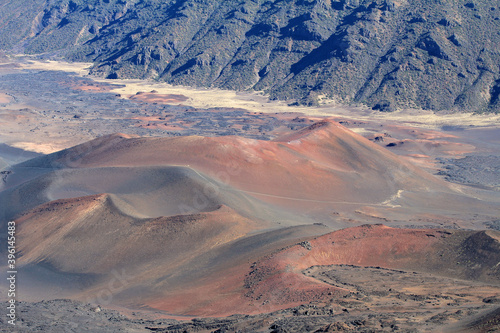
(138, 191)
(312, 169)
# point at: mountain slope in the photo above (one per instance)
(282, 279)
(324, 164)
(314, 172)
(385, 53)
(54, 233)
(216, 225)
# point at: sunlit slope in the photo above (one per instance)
(324, 163)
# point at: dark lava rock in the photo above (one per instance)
(473, 170)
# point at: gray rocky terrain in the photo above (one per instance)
(375, 306)
(49, 95)
(473, 170)
(387, 54)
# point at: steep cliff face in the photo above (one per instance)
(388, 54)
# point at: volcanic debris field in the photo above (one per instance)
(288, 240)
(61, 96)
(478, 170)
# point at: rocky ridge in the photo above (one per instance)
(386, 54)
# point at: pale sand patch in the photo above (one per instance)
(360, 130)
(258, 102)
(80, 68)
(43, 148)
(204, 98)
(4, 98)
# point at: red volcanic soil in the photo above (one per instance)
(152, 97)
(323, 164)
(442, 252)
(229, 293)
(226, 258)
(277, 281)
(419, 146)
(92, 235)
(174, 257)
(376, 245)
